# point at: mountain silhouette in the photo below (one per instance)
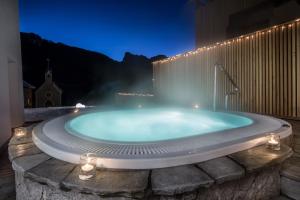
(83, 75)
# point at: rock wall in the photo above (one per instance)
(260, 185)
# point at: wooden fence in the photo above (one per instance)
(265, 65)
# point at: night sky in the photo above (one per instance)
(112, 27)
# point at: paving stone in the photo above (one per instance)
(261, 185)
(177, 180)
(125, 183)
(261, 157)
(50, 172)
(222, 169)
(20, 150)
(25, 163)
(290, 188)
(28, 189)
(291, 168)
(24, 140)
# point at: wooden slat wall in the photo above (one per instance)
(264, 64)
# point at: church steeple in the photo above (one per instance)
(48, 74)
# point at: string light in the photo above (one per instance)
(228, 42)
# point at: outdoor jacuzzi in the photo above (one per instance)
(154, 137)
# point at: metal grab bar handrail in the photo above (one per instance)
(236, 88)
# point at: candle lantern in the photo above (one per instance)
(20, 132)
(273, 142)
(88, 163)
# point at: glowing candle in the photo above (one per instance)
(87, 167)
(20, 132)
(88, 163)
(273, 142)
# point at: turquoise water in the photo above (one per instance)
(149, 125)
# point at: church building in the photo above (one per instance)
(48, 94)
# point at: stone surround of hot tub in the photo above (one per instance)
(55, 138)
(250, 174)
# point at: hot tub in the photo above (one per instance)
(154, 138)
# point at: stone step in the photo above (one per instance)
(50, 172)
(291, 168)
(290, 187)
(21, 150)
(131, 183)
(259, 157)
(222, 169)
(178, 180)
(23, 140)
(28, 162)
